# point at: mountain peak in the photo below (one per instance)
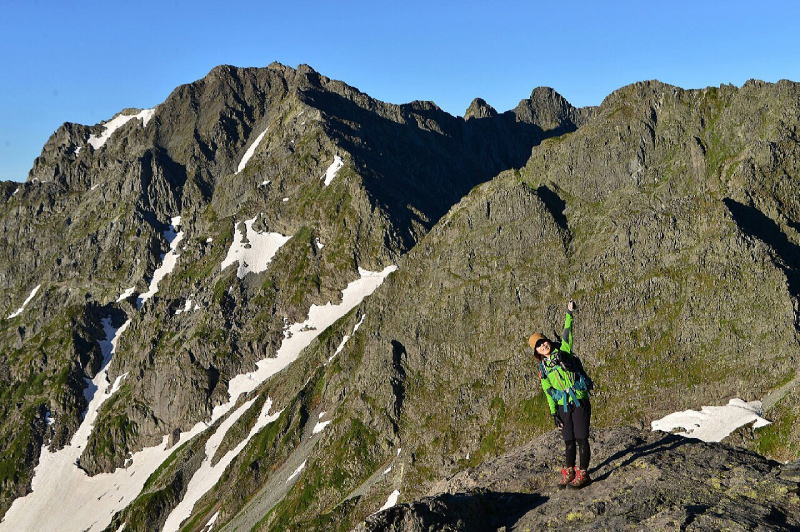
(306, 69)
(479, 109)
(546, 93)
(548, 108)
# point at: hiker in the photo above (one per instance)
(566, 387)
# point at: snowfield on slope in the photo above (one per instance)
(391, 501)
(24, 303)
(345, 339)
(319, 427)
(250, 151)
(60, 489)
(297, 471)
(208, 475)
(89, 503)
(128, 292)
(168, 263)
(300, 335)
(713, 423)
(332, 170)
(97, 141)
(252, 250)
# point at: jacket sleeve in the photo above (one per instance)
(550, 402)
(566, 338)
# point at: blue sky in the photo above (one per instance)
(84, 61)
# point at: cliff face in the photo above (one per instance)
(205, 263)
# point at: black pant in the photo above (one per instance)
(576, 429)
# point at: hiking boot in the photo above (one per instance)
(581, 479)
(567, 475)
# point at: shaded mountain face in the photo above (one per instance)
(133, 219)
(669, 215)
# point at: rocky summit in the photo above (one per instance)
(275, 302)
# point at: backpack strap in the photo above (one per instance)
(558, 395)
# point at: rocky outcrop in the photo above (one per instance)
(642, 481)
(478, 108)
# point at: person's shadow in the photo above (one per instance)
(667, 443)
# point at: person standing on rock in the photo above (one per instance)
(566, 387)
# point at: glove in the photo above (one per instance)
(571, 306)
(558, 422)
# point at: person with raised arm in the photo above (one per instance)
(566, 388)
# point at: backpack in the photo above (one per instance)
(582, 382)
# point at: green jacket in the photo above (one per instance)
(557, 379)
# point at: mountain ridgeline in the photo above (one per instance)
(196, 264)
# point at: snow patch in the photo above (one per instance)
(265, 183)
(24, 303)
(209, 240)
(319, 427)
(188, 306)
(345, 339)
(211, 521)
(330, 173)
(391, 501)
(285, 199)
(320, 318)
(168, 263)
(126, 294)
(146, 115)
(713, 423)
(97, 141)
(78, 150)
(208, 475)
(250, 151)
(387, 470)
(297, 471)
(319, 244)
(252, 250)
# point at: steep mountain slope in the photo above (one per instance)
(127, 230)
(670, 217)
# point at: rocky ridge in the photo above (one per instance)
(642, 481)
